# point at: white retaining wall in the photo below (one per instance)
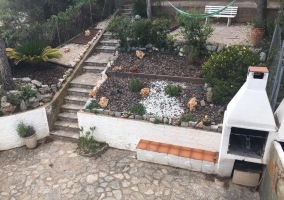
(126, 133)
(9, 137)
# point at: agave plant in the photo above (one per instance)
(32, 52)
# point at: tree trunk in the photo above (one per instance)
(261, 9)
(149, 8)
(5, 70)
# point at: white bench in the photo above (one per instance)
(229, 12)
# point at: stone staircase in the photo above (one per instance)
(66, 127)
(127, 10)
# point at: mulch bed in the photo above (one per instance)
(47, 73)
(82, 39)
(121, 98)
(158, 63)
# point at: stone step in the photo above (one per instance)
(70, 99)
(66, 126)
(126, 6)
(78, 91)
(126, 13)
(84, 86)
(93, 69)
(109, 42)
(100, 59)
(71, 136)
(107, 35)
(105, 49)
(127, 9)
(66, 116)
(71, 108)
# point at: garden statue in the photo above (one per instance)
(192, 104)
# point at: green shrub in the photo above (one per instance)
(191, 53)
(24, 130)
(138, 109)
(173, 90)
(32, 52)
(120, 27)
(141, 32)
(226, 71)
(14, 98)
(27, 92)
(159, 30)
(87, 144)
(1, 113)
(92, 106)
(195, 30)
(187, 118)
(140, 8)
(156, 121)
(135, 85)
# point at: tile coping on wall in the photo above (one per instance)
(176, 150)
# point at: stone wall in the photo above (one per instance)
(272, 185)
(9, 137)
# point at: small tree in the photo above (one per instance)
(5, 70)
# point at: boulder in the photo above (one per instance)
(4, 99)
(212, 48)
(144, 92)
(23, 106)
(137, 17)
(32, 102)
(103, 102)
(262, 57)
(149, 46)
(36, 83)
(7, 108)
(209, 96)
(175, 121)
(44, 90)
(44, 98)
(117, 68)
(202, 103)
(26, 79)
(140, 54)
(192, 104)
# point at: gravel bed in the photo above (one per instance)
(121, 98)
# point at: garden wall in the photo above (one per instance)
(272, 185)
(125, 134)
(8, 135)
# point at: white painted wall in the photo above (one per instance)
(126, 133)
(9, 137)
(280, 116)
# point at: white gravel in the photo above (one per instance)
(158, 103)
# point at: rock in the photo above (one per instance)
(87, 32)
(103, 102)
(184, 124)
(44, 90)
(220, 47)
(72, 64)
(191, 123)
(181, 50)
(166, 120)
(23, 106)
(262, 57)
(26, 79)
(140, 54)
(212, 48)
(133, 69)
(257, 51)
(214, 128)
(36, 83)
(142, 49)
(59, 84)
(4, 99)
(53, 88)
(93, 93)
(33, 102)
(175, 121)
(192, 104)
(202, 103)
(100, 111)
(66, 49)
(152, 119)
(44, 98)
(137, 17)
(117, 114)
(138, 117)
(144, 92)
(209, 96)
(7, 108)
(220, 127)
(155, 49)
(61, 80)
(149, 46)
(199, 125)
(117, 68)
(180, 54)
(116, 53)
(65, 77)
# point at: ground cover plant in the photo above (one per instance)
(226, 71)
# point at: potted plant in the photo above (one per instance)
(257, 31)
(206, 121)
(28, 133)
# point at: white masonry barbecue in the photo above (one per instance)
(248, 128)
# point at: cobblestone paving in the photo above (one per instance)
(55, 171)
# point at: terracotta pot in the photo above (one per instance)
(256, 35)
(31, 141)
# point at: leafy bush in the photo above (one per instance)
(187, 118)
(141, 32)
(195, 30)
(140, 8)
(32, 52)
(138, 109)
(27, 92)
(1, 113)
(92, 106)
(226, 71)
(191, 53)
(173, 90)
(25, 130)
(135, 85)
(14, 99)
(87, 144)
(120, 27)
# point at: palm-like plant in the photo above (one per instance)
(32, 52)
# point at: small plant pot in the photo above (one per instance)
(31, 141)
(256, 35)
(206, 123)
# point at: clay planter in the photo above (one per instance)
(97, 153)
(256, 35)
(31, 141)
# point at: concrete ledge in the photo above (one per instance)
(9, 137)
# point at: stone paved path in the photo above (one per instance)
(55, 171)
